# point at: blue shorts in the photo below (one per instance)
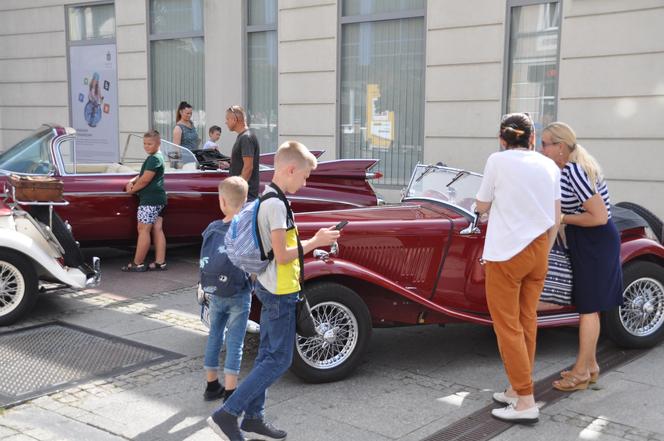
(148, 214)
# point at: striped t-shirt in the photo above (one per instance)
(576, 188)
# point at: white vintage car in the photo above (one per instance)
(37, 253)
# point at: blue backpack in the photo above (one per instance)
(218, 275)
(243, 240)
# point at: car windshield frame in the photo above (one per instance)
(22, 151)
(435, 182)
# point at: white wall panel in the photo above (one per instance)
(34, 94)
(301, 119)
(132, 38)
(452, 14)
(468, 154)
(132, 66)
(27, 21)
(646, 157)
(618, 76)
(464, 82)
(592, 7)
(34, 69)
(48, 44)
(462, 119)
(465, 45)
(308, 23)
(32, 117)
(607, 34)
(314, 55)
(308, 87)
(615, 118)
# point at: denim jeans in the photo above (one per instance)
(275, 354)
(232, 313)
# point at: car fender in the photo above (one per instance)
(15, 241)
(314, 269)
(636, 248)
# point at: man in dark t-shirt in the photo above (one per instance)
(245, 155)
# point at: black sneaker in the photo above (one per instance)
(213, 394)
(227, 394)
(225, 425)
(261, 429)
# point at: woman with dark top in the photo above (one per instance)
(594, 244)
(184, 132)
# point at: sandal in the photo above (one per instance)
(571, 383)
(156, 266)
(593, 375)
(132, 267)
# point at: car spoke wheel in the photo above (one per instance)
(18, 286)
(12, 288)
(337, 336)
(343, 323)
(643, 310)
(639, 322)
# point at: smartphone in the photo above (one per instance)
(340, 225)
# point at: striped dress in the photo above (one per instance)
(594, 251)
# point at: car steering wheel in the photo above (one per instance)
(435, 194)
(39, 168)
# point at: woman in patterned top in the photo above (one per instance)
(594, 244)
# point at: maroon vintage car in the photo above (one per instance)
(417, 263)
(100, 212)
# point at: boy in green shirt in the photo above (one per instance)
(149, 185)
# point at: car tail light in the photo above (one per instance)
(374, 175)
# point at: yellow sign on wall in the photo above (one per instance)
(380, 125)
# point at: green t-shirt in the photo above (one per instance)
(153, 193)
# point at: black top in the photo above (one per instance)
(246, 145)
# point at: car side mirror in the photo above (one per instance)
(472, 228)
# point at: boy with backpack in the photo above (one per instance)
(229, 291)
(277, 288)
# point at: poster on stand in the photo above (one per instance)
(94, 102)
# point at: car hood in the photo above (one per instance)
(382, 214)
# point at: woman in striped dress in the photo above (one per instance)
(594, 244)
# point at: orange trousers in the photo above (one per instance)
(513, 288)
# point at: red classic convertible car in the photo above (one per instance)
(100, 212)
(417, 263)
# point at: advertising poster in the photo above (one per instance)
(94, 102)
(380, 125)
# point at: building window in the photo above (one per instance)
(177, 71)
(382, 87)
(96, 22)
(532, 70)
(262, 71)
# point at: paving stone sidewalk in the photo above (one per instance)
(413, 382)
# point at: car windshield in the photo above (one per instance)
(176, 158)
(445, 184)
(31, 155)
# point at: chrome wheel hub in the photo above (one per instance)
(642, 313)
(337, 336)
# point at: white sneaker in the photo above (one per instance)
(511, 415)
(253, 327)
(502, 398)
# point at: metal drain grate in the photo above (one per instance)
(54, 356)
(480, 426)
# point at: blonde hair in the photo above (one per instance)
(295, 153)
(234, 191)
(563, 133)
